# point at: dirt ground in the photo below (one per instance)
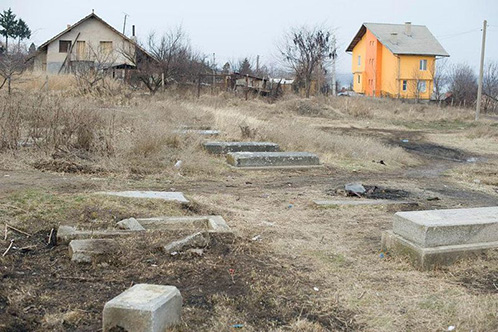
(296, 267)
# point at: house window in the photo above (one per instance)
(64, 46)
(359, 60)
(359, 79)
(422, 86)
(405, 84)
(423, 64)
(106, 47)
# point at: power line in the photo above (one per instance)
(458, 34)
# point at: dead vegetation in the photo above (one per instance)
(309, 270)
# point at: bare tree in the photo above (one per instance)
(463, 84)
(305, 50)
(490, 85)
(12, 65)
(439, 75)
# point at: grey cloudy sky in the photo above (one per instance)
(234, 29)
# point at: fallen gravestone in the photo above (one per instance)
(226, 147)
(130, 224)
(164, 195)
(200, 132)
(272, 159)
(144, 308)
(441, 237)
(357, 202)
(91, 250)
(65, 234)
(197, 240)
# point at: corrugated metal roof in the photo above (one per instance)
(420, 42)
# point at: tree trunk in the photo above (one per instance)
(307, 87)
(8, 85)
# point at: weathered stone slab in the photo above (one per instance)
(197, 240)
(272, 159)
(356, 202)
(67, 233)
(90, 250)
(201, 132)
(208, 223)
(448, 227)
(143, 308)
(226, 147)
(165, 195)
(428, 258)
(130, 224)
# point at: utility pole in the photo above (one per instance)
(481, 69)
(334, 80)
(214, 71)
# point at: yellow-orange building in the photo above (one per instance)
(395, 60)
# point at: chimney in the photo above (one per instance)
(394, 38)
(408, 29)
(133, 30)
(68, 26)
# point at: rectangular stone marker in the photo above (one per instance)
(197, 240)
(201, 132)
(355, 202)
(143, 308)
(67, 233)
(440, 237)
(209, 223)
(165, 195)
(448, 227)
(90, 250)
(272, 159)
(226, 147)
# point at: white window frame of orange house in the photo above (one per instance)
(423, 64)
(405, 85)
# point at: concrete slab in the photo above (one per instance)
(91, 250)
(164, 195)
(359, 202)
(143, 308)
(448, 227)
(272, 159)
(201, 132)
(197, 240)
(428, 258)
(226, 147)
(130, 224)
(201, 223)
(66, 234)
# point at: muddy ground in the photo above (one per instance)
(320, 266)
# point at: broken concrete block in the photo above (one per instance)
(209, 223)
(448, 227)
(67, 233)
(226, 147)
(164, 195)
(143, 308)
(355, 188)
(272, 159)
(197, 240)
(91, 250)
(130, 224)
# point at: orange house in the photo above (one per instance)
(395, 60)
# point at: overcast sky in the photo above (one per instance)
(234, 29)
